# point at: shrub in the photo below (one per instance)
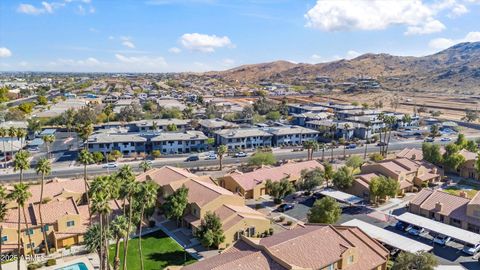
(53, 250)
(34, 266)
(156, 153)
(289, 223)
(376, 157)
(281, 219)
(270, 231)
(51, 262)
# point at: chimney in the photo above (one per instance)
(438, 207)
(462, 194)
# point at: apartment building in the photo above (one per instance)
(179, 142)
(305, 247)
(468, 168)
(205, 196)
(243, 138)
(251, 185)
(292, 135)
(458, 211)
(126, 143)
(209, 126)
(158, 125)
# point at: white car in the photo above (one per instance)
(240, 154)
(110, 165)
(211, 157)
(415, 230)
(441, 239)
(471, 249)
(445, 139)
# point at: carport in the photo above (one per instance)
(440, 228)
(341, 196)
(389, 238)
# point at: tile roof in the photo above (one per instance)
(200, 192)
(249, 180)
(452, 205)
(468, 155)
(411, 153)
(165, 175)
(55, 188)
(55, 209)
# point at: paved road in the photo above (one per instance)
(77, 171)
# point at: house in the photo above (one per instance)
(458, 211)
(243, 138)
(205, 196)
(468, 168)
(179, 142)
(158, 125)
(251, 185)
(306, 247)
(411, 153)
(292, 135)
(208, 126)
(303, 108)
(302, 118)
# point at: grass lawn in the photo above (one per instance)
(456, 191)
(159, 251)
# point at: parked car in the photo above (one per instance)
(318, 195)
(211, 157)
(351, 146)
(240, 154)
(110, 165)
(429, 140)
(381, 143)
(471, 249)
(445, 139)
(285, 206)
(415, 230)
(401, 226)
(192, 158)
(441, 239)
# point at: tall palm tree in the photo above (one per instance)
(12, 133)
(130, 187)
(86, 158)
(21, 162)
(119, 228)
(221, 151)
(343, 142)
(145, 165)
(368, 127)
(333, 128)
(33, 126)
(125, 174)
(381, 117)
(20, 194)
(391, 121)
(48, 140)
(44, 168)
(3, 136)
(21, 135)
(84, 132)
(3, 214)
(101, 206)
(147, 196)
(322, 147)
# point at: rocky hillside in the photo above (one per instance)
(454, 69)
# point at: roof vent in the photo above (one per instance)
(438, 207)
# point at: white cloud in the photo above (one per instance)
(4, 52)
(175, 50)
(50, 7)
(352, 54)
(142, 61)
(29, 9)
(204, 43)
(443, 43)
(128, 44)
(374, 15)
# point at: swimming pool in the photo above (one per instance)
(77, 266)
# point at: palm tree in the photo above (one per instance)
(124, 175)
(3, 136)
(21, 162)
(119, 229)
(309, 146)
(322, 147)
(93, 239)
(368, 127)
(33, 126)
(343, 142)
(221, 151)
(20, 194)
(333, 128)
(101, 206)
(145, 165)
(48, 139)
(3, 214)
(84, 133)
(381, 117)
(21, 135)
(44, 168)
(130, 188)
(12, 133)
(86, 158)
(391, 121)
(147, 196)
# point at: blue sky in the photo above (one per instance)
(200, 35)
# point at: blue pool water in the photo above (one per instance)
(77, 266)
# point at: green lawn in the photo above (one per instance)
(456, 191)
(159, 251)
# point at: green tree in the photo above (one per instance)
(12, 133)
(93, 238)
(451, 158)
(344, 177)
(221, 151)
(86, 158)
(279, 189)
(470, 116)
(26, 107)
(375, 157)
(434, 131)
(145, 165)
(101, 206)
(354, 162)
(21, 162)
(461, 141)
(3, 213)
(21, 194)
(311, 146)
(114, 155)
(44, 168)
(326, 210)
(98, 157)
(310, 179)
(273, 116)
(210, 232)
(3, 136)
(175, 204)
(129, 188)
(42, 100)
(48, 140)
(34, 126)
(147, 196)
(4, 95)
(477, 165)
(328, 172)
(21, 135)
(382, 186)
(431, 153)
(156, 153)
(84, 131)
(119, 229)
(172, 127)
(415, 261)
(262, 158)
(472, 146)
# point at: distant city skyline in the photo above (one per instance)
(203, 35)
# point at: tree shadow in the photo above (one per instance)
(170, 258)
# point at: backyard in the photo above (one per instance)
(456, 190)
(159, 251)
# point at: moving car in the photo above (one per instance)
(192, 158)
(211, 157)
(415, 230)
(381, 144)
(284, 207)
(445, 139)
(441, 239)
(109, 165)
(429, 140)
(471, 249)
(351, 146)
(240, 154)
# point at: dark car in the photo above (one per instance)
(381, 144)
(285, 207)
(401, 226)
(318, 195)
(192, 158)
(351, 146)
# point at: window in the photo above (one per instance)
(4, 239)
(31, 245)
(330, 267)
(350, 259)
(70, 223)
(45, 228)
(29, 232)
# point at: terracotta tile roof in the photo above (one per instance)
(200, 192)
(452, 206)
(365, 179)
(55, 188)
(468, 155)
(306, 247)
(54, 210)
(165, 175)
(249, 180)
(411, 153)
(11, 217)
(408, 164)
